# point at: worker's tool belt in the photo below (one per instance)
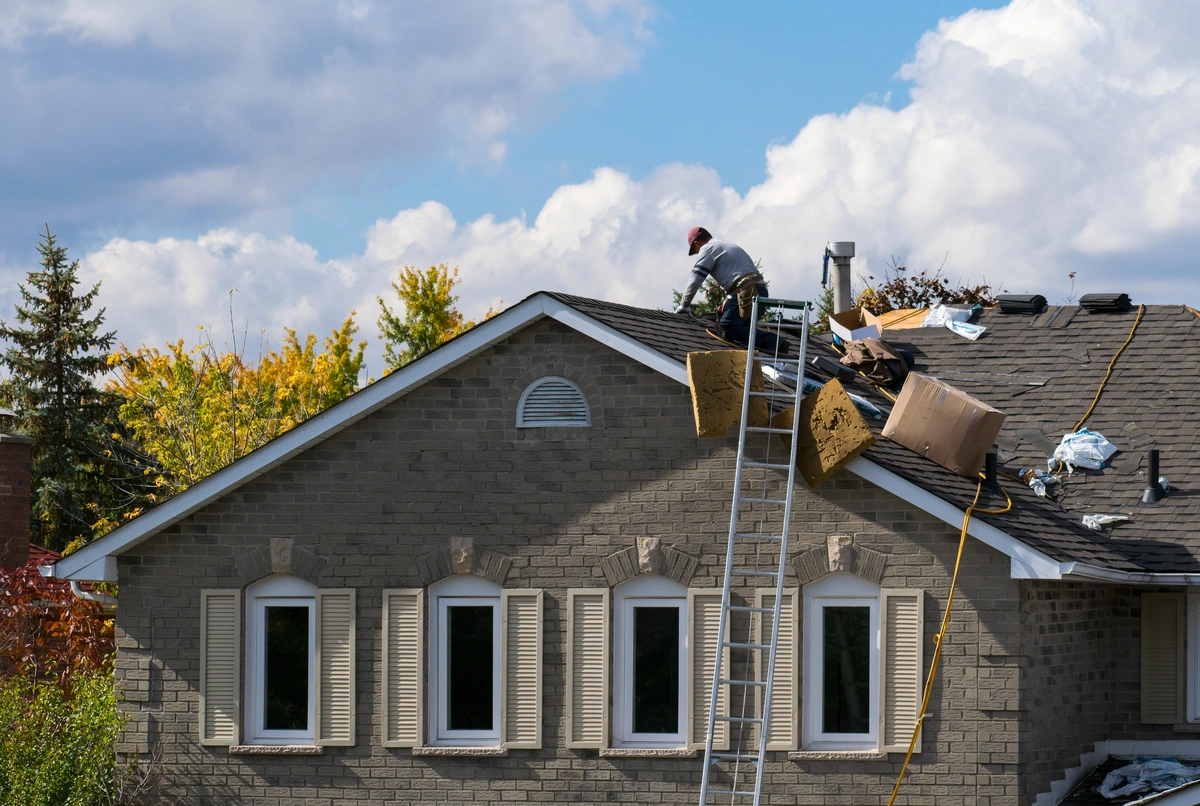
(744, 288)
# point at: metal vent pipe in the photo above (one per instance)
(841, 252)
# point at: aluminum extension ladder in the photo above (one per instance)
(733, 769)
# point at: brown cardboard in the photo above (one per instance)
(943, 424)
(716, 379)
(832, 432)
(856, 323)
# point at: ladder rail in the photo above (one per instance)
(764, 688)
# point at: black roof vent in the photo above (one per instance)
(1023, 304)
(1105, 303)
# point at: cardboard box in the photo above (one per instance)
(943, 424)
(854, 324)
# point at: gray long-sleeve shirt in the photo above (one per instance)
(724, 261)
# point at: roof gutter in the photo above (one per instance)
(1083, 571)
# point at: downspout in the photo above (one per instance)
(106, 602)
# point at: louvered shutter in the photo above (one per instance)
(403, 667)
(521, 669)
(587, 668)
(901, 673)
(220, 666)
(335, 667)
(783, 732)
(704, 616)
(1164, 623)
(552, 402)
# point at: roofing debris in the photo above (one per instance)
(717, 378)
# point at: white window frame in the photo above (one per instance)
(1192, 677)
(837, 590)
(277, 591)
(467, 591)
(646, 591)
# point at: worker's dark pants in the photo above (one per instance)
(737, 329)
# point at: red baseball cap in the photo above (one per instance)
(693, 234)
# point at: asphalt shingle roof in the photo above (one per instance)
(1043, 372)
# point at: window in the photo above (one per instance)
(280, 660)
(553, 401)
(841, 663)
(651, 679)
(464, 662)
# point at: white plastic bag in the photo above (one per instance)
(939, 315)
(1097, 522)
(1084, 448)
(971, 332)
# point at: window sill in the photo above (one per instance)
(477, 752)
(1188, 727)
(648, 752)
(276, 750)
(838, 755)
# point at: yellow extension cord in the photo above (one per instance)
(962, 539)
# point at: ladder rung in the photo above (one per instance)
(755, 536)
(784, 395)
(748, 646)
(734, 757)
(763, 500)
(767, 465)
(742, 683)
(738, 793)
(760, 429)
(781, 325)
(751, 719)
(749, 572)
(791, 361)
(747, 609)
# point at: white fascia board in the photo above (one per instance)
(1026, 562)
(616, 340)
(85, 564)
(1075, 570)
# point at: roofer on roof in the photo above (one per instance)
(733, 270)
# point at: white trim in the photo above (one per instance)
(647, 591)
(838, 590)
(465, 591)
(1192, 693)
(81, 565)
(533, 422)
(277, 591)
(1027, 563)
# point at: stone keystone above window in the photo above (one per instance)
(840, 555)
(461, 557)
(649, 556)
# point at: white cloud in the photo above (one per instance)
(1042, 138)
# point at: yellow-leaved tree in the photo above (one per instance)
(429, 316)
(197, 410)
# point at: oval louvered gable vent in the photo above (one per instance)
(553, 402)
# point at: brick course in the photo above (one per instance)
(446, 461)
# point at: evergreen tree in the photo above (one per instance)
(54, 354)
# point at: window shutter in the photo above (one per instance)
(902, 682)
(335, 667)
(704, 614)
(521, 669)
(783, 731)
(403, 667)
(1163, 627)
(220, 666)
(587, 668)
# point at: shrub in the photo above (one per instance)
(56, 748)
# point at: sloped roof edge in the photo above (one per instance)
(96, 561)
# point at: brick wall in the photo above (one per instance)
(447, 461)
(16, 454)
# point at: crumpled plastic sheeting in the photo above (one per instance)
(954, 319)
(1083, 448)
(1147, 775)
(1097, 522)
(1038, 480)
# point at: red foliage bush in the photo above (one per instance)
(46, 632)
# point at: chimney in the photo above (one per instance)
(16, 461)
(841, 252)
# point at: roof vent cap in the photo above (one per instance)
(1021, 304)
(1105, 303)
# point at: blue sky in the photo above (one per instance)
(302, 152)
